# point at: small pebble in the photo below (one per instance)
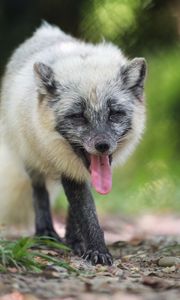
(168, 261)
(169, 269)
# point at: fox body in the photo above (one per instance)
(70, 111)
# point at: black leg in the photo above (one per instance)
(84, 213)
(43, 218)
(73, 234)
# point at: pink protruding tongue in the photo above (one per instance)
(101, 176)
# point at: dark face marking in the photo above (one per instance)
(84, 127)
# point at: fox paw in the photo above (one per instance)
(97, 257)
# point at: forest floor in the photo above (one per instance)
(146, 253)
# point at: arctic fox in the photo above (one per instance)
(70, 111)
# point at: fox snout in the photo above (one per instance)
(100, 145)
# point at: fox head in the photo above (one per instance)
(99, 109)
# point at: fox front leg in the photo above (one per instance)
(84, 213)
(43, 218)
(73, 234)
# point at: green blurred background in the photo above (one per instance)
(150, 180)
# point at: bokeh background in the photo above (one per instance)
(150, 180)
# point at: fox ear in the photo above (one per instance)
(133, 75)
(45, 79)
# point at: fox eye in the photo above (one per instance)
(77, 116)
(116, 115)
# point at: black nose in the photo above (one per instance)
(102, 147)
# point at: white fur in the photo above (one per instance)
(28, 138)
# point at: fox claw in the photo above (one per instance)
(97, 257)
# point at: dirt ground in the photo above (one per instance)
(146, 265)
